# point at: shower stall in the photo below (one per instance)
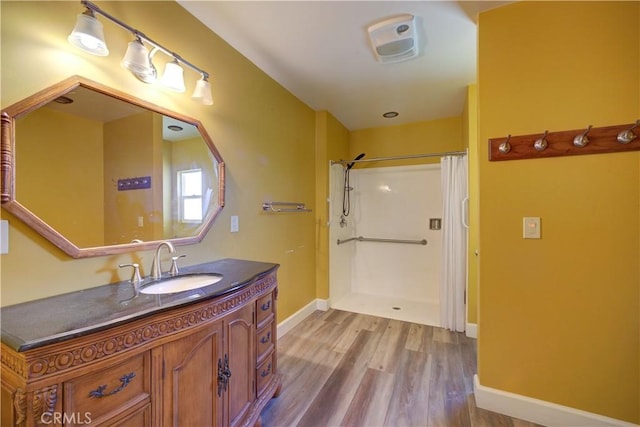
(386, 241)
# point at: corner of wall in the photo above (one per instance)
(470, 123)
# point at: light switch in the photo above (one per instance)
(4, 236)
(531, 227)
(235, 224)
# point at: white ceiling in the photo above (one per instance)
(320, 52)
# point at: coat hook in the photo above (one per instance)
(541, 143)
(626, 136)
(582, 140)
(505, 147)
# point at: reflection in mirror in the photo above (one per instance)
(96, 171)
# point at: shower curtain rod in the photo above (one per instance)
(411, 156)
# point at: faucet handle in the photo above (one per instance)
(174, 264)
(136, 279)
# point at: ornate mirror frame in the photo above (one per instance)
(8, 165)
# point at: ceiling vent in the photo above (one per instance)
(394, 39)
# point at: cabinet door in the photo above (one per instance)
(190, 379)
(240, 337)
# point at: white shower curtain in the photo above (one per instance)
(454, 243)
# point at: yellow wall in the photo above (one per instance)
(559, 316)
(77, 166)
(470, 122)
(434, 136)
(332, 143)
(129, 153)
(265, 135)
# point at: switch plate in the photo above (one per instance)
(531, 227)
(235, 224)
(4, 236)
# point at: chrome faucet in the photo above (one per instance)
(156, 266)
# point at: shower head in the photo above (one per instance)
(350, 165)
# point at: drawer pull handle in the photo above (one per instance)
(266, 306)
(124, 381)
(265, 339)
(267, 372)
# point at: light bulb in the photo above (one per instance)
(202, 92)
(172, 77)
(88, 35)
(136, 59)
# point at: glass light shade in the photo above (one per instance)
(88, 35)
(202, 92)
(136, 59)
(172, 77)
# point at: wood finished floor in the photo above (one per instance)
(348, 369)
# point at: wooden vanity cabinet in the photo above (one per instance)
(209, 371)
(209, 363)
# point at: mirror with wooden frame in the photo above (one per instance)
(97, 172)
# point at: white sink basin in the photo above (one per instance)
(181, 283)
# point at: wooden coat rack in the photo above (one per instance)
(608, 139)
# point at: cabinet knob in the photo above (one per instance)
(265, 339)
(266, 372)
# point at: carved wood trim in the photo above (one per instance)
(44, 401)
(45, 362)
(6, 159)
(222, 191)
(20, 406)
(13, 361)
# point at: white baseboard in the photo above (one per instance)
(471, 330)
(539, 411)
(322, 304)
(290, 322)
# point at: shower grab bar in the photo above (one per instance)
(292, 207)
(465, 210)
(369, 239)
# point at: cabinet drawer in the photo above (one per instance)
(139, 418)
(265, 339)
(265, 308)
(265, 372)
(110, 390)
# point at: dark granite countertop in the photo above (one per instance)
(49, 320)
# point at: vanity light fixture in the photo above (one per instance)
(136, 59)
(202, 92)
(88, 35)
(173, 77)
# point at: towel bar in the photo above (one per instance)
(288, 207)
